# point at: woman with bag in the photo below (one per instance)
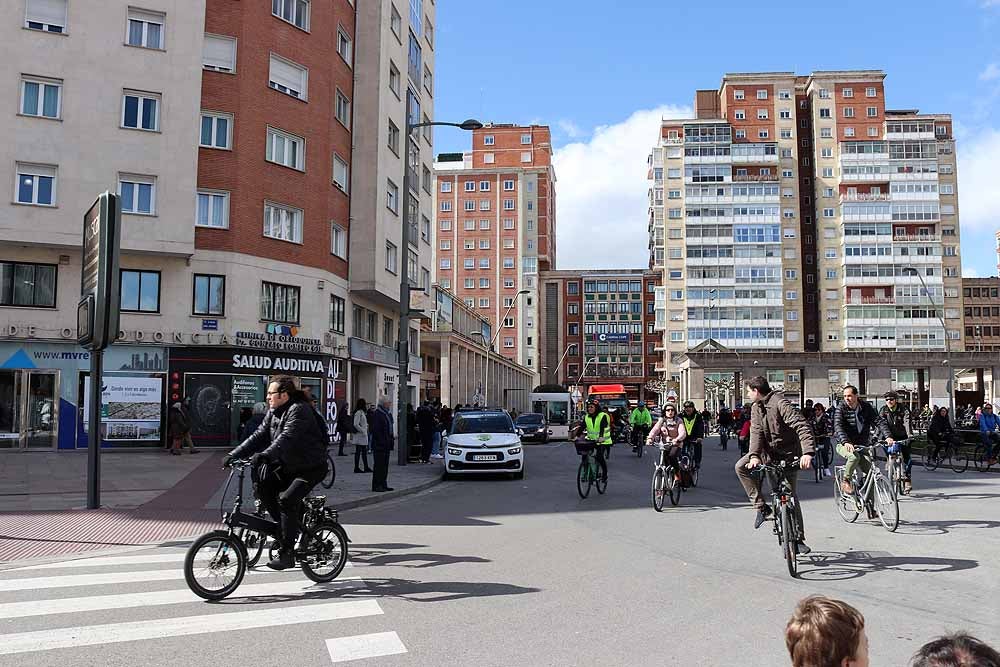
(359, 436)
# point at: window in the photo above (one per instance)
(140, 291)
(848, 92)
(508, 342)
(280, 303)
(392, 196)
(484, 262)
(763, 134)
(469, 283)
(446, 264)
(848, 112)
(338, 311)
(396, 24)
(786, 134)
(828, 213)
(209, 295)
(46, 15)
(825, 133)
(469, 225)
(425, 229)
(791, 295)
(826, 152)
(338, 240)
(291, 79)
(393, 142)
(508, 223)
(824, 112)
(791, 274)
(873, 112)
(145, 29)
(282, 222)
(138, 194)
(295, 12)
(141, 111)
(484, 224)
(484, 186)
(344, 46)
(30, 285)
(761, 114)
(36, 184)
(827, 172)
(285, 149)
(676, 295)
(870, 92)
(341, 173)
(738, 95)
(446, 225)
(484, 283)
(218, 54)
(484, 244)
(573, 309)
(484, 303)
(391, 257)
(428, 81)
(784, 95)
(508, 204)
(41, 97)
(216, 130)
(508, 283)
(484, 204)
(212, 209)
(741, 134)
(785, 114)
(740, 114)
(848, 131)
(343, 109)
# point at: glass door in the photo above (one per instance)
(42, 409)
(10, 409)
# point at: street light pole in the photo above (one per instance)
(947, 341)
(486, 389)
(403, 264)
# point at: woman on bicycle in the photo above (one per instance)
(670, 429)
(940, 431)
(822, 424)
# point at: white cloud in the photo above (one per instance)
(991, 72)
(969, 272)
(601, 220)
(979, 200)
(570, 129)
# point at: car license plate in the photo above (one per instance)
(484, 457)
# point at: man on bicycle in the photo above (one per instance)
(852, 425)
(694, 424)
(892, 424)
(989, 424)
(641, 421)
(292, 440)
(597, 425)
(778, 431)
(725, 419)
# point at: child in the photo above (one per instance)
(826, 633)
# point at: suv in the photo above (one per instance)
(532, 426)
(483, 441)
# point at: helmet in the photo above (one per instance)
(890, 394)
(688, 404)
(596, 403)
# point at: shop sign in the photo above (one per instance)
(130, 407)
(362, 350)
(285, 364)
(330, 394)
(279, 342)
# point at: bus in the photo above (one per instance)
(611, 396)
(554, 407)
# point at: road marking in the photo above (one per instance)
(153, 598)
(175, 557)
(343, 649)
(93, 635)
(102, 579)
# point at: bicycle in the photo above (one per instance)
(670, 480)
(874, 494)
(785, 511)
(220, 556)
(949, 454)
(894, 468)
(589, 473)
(820, 458)
(331, 471)
(639, 434)
(724, 437)
(981, 457)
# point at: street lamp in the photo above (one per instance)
(403, 343)
(587, 363)
(486, 390)
(909, 270)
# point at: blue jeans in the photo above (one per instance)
(992, 441)
(436, 446)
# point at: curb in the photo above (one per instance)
(390, 495)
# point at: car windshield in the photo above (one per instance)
(529, 420)
(482, 423)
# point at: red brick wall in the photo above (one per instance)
(860, 103)
(749, 105)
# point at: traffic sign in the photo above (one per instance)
(97, 312)
(612, 337)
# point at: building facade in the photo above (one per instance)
(495, 230)
(797, 213)
(981, 302)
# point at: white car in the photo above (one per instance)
(483, 441)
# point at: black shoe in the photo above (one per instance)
(368, 470)
(762, 515)
(359, 470)
(386, 488)
(284, 560)
(802, 549)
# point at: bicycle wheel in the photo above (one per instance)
(215, 565)
(959, 460)
(657, 488)
(694, 477)
(817, 471)
(331, 472)
(583, 480)
(600, 482)
(673, 486)
(329, 542)
(641, 446)
(253, 542)
(789, 539)
(886, 504)
(979, 459)
(931, 462)
(846, 506)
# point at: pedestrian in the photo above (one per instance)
(958, 650)
(823, 428)
(178, 427)
(426, 426)
(344, 424)
(256, 419)
(446, 416)
(412, 436)
(359, 438)
(824, 632)
(382, 444)
(187, 442)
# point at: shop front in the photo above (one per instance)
(45, 388)
(219, 386)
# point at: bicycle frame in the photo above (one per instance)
(867, 490)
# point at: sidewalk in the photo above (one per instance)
(147, 497)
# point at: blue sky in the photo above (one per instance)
(598, 73)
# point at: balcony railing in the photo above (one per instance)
(871, 301)
(866, 196)
(917, 238)
(755, 178)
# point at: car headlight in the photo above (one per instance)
(515, 450)
(454, 452)
(541, 429)
(520, 432)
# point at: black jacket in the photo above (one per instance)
(697, 430)
(251, 426)
(380, 428)
(823, 426)
(845, 423)
(892, 423)
(292, 436)
(940, 427)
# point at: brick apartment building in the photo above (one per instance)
(981, 302)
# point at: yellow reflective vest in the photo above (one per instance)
(596, 430)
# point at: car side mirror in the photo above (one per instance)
(550, 431)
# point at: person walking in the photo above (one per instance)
(178, 428)
(187, 441)
(382, 444)
(359, 438)
(344, 423)
(426, 426)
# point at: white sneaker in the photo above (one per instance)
(437, 456)
(826, 472)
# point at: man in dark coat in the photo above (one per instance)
(345, 424)
(426, 425)
(380, 428)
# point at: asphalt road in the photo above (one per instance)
(503, 572)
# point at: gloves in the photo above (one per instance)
(227, 460)
(258, 459)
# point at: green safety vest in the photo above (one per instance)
(597, 431)
(641, 418)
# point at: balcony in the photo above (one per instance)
(872, 301)
(917, 238)
(755, 158)
(755, 178)
(865, 197)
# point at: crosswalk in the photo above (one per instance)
(138, 607)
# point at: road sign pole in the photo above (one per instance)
(94, 428)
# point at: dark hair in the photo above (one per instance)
(891, 394)
(938, 411)
(958, 650)
(361, 405)
(822, 632)
(759, 383)
(286, 385)
(853, 389)
(820, 406)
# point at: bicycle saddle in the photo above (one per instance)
(315, 501)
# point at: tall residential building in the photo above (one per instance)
(394, 82)
(791, 211)
(495, 229)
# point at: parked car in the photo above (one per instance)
(532, 426)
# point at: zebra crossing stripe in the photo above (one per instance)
(343, 649)
(108, 561)
(103, 579)
(93, 635)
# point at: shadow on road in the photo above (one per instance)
(942, 527)
(403, 589)
(835, 565)
(378, 554)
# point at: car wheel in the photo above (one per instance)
(445, 476)
(519, 474)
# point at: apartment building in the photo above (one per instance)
(598, 327)
(981, 302)
(394, 84)
(494, 230)
(797, 213)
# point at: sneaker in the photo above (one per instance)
(826, 472)
(762, 515)
(283, 561)
(438, 456)
(802, 549)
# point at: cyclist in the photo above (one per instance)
(852, 425)
(989, 424)
(641, 421)
(941, 432)
(777, 431)
(293, 438)
(892, 424)
(725, 420)
(669, 428)
(597, 425)
(694, 426)
(823, 426)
